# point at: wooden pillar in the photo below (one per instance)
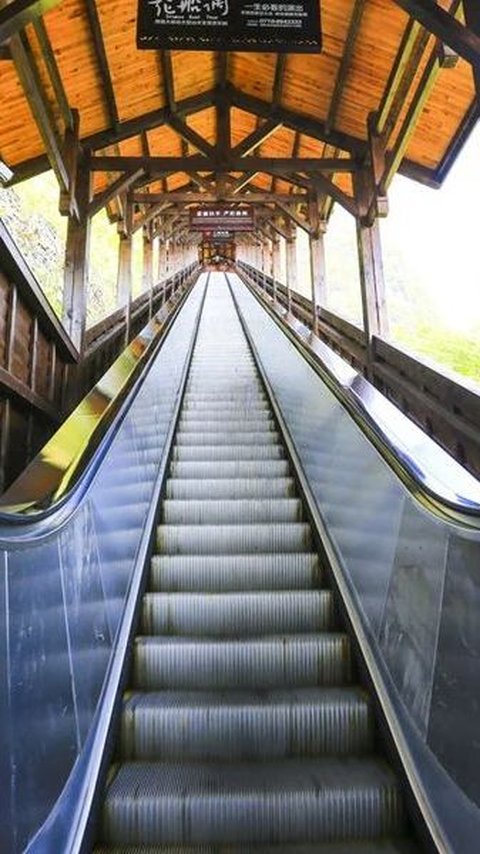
(124, 279)
(372, 283)
(291, 259)
(162, 259)
(147, 272)
(275, 263)
(75, 283)
(318, 273)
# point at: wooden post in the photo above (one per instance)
(147, 274)
(291, 259)
(76, 262)
(318, 273)
(124, 279)
(372, 283)
(275, 263)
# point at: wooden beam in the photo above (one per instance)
(148, 216)
(345, 62)
(211, 198)
(241, 183)
(121, 185)
(72, 151)
(303, 124)
(471, 9)
(53, 72)
(15, 16)
(189, 135)
(272, 165)
(326, 186)
(278, 79)
(168, 79)
(223, 125)
(443, 25)
(76, 263)
(294, 216)
(254, 139)
(38, 103)
(101, 57)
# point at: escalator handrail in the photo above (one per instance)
(430, 474)
(62, 471)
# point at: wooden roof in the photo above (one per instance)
(376, 61)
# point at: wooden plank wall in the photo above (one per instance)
(448, 411)
(33, 373)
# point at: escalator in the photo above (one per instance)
(244, 726)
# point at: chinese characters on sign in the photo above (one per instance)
(229, 25)
(221, 218)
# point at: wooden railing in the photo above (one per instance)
(41, 375)
(35, 353)
(446, 409)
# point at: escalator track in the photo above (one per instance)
(244, 727)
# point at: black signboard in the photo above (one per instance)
(209, 219)
(229, 25)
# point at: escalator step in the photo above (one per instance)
(217, 573)
(233, 539)
(372, 846)
(241, 511)
(237, 614)
(265, 437)
(205, 489)
(291, 800)
(246, 725)
(228, 452)
(257, 663)
(213, 425)
(229, 468)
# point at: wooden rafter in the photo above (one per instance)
(101, 55)
(445, 26)
(254, 139)
(53, 72)
(345, 62)
(187, 133)
(166, 66)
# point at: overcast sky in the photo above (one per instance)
(442, 228)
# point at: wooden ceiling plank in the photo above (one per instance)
(15, 16)
(254, 139)
(101, 56)
(53, 72)
(121, 185)
(344, 67)
(445, 26)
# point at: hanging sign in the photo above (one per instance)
(239, 25)
(222, 219)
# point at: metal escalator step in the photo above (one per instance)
(228, 452)
(254, 397)
(246, 725)
(233, 539)
(237, 614)
(265, 437)
(275, 662)
(308, 800)
(371, 846)
(216, 488)
(229, 469)
(237, 511)
(208, 424)
(223, 573)
(224, 408)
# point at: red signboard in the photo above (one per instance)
(222, 218)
